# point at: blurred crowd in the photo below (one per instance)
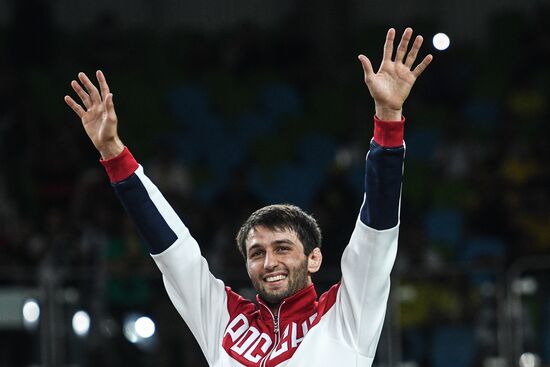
(227, 122)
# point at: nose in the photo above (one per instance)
(270, 261)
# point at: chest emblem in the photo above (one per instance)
(250, 344)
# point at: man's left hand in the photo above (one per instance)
(391, 85)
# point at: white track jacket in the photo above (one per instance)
(340, 328)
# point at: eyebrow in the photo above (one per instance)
(276, 242)
(284, 241)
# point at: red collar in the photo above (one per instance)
(299, 304)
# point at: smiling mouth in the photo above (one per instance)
(275, 278)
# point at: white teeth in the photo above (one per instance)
(275, 278)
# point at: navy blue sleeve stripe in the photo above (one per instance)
(152, 227)
(383, 177)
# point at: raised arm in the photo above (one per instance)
(196, 294)
(368, 259)
(389, 88)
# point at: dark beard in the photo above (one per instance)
(297, 281)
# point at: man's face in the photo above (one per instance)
(276, 263)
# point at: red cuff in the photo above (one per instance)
(120, 167)
(389, 134)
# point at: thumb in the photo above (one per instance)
(110, 107)
(367, 68)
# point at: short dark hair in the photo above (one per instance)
(282, 217)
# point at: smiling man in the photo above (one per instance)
(281, 246)
(289, 325)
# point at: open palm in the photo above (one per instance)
(98, 114)
(391, 85)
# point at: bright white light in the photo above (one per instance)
(441, 41)
(145, 327)
(81, 323)
(138, 329)
(31, 311)
(529, 360)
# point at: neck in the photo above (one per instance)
(274, 308)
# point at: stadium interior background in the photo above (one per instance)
(230, 105)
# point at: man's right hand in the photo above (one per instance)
(98, 115)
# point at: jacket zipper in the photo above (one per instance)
(276, 322)
(277, 333)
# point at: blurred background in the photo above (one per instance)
(231, 105)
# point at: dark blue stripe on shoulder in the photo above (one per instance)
(383, 176)
(146, 217)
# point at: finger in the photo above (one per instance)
(422, 66)
(411, 57)
(388, 46)
(103, 86)
(84, 97)
(110, 106)
(90, 87)
(367, 68)
(75, 106)
(403, 45)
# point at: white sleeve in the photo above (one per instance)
(200, 298)
(363, 294)
(368, 259)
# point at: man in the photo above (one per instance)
(289, 326)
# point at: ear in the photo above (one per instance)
(314, 260)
